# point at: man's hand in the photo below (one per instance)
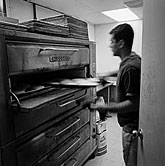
(97, 106)
(100, 107)
(99, 103)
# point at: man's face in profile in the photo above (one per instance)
(114, 46)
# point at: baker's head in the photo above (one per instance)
(121, 36)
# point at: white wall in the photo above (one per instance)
(91, 32)
(24, 11)
(152, 103)
(105, 61)
(19, 9)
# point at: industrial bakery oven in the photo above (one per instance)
(46, 123)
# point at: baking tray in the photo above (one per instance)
(64, 19)
(77, 28)
(73, 83)
(12, 26)
(33, 93)
(46, 27)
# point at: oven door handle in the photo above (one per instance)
(78, 101)
(16, 100)
(67, 103)
(72, 161)
(47, 51)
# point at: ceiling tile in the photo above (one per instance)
(89, 10)
(102, 5)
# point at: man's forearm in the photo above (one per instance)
(108, 74)
(125, 106)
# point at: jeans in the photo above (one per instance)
(130, 144)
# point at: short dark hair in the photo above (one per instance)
(123, 32)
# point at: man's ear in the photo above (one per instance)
(121, 43)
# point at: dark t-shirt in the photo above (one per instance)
(128, 85)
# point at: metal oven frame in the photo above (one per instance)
(12, 143)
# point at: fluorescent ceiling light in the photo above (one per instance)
(121, 14)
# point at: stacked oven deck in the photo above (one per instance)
(52, 124)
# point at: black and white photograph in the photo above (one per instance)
(82, 83)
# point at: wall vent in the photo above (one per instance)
(133, 3)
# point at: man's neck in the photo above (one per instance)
(125, 53)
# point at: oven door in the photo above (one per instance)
(32, 112)
(33, 57)
(54, 144)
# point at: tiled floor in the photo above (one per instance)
(113, 157)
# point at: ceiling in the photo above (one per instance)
(88, 10)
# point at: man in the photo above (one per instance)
(127, 91)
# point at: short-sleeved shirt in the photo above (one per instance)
(128, 85)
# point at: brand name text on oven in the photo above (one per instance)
(59, 58)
